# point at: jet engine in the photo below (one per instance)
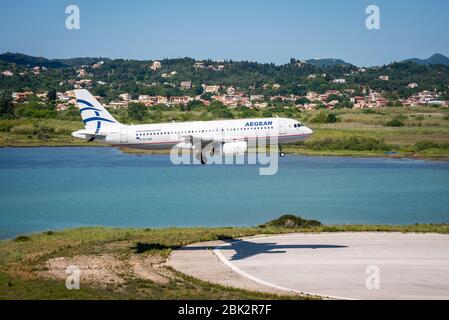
(237, 148)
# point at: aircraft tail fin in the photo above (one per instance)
(95, 117)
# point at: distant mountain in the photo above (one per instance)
(26, 60)
(327, 62)
(437, 58)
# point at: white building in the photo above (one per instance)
(144, 97)
(312, 95)
(156, 65)
(98, 65)
(211, 89)
(82, 73)
(186, 85)
(125, 96)
(62, 96)
(256, 97)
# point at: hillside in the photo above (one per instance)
(435, 59)
(30, 61)
(116, 76)
(328, 62)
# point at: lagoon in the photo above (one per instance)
(53, 188)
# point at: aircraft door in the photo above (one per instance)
(282, 127)
(123, 135)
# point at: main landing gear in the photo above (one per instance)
(203, 158)
(281, 153)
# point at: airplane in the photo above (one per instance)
(229, 136)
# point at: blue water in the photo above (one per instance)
(54, 188)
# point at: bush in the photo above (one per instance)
(419, 118)
(248, 113)
(267, 113)
(36, 110)
(319, 118)
(331, 118)
(291, 221)
(223, 113)
(22, 239)
(137, 111)
(394, 123)
(6, 126)
(23, 129)
(6, 106)
(63, 130)
(356, 143)
(322, 117)
(424, 145)
(42, 132)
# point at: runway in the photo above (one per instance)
(334, 265)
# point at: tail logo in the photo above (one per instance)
(90, 107)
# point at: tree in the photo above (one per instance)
(51, 95)
(302, 101)
(6, 106)
(331, 118)
(198, 90)
(137, 111)
(394, 123)
(333, 97)
(207, 96)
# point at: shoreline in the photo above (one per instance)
(349, 154)
(436, 227)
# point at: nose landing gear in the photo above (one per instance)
(281, 153)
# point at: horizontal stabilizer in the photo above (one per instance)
(88, 134)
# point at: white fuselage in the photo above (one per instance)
(168, 135)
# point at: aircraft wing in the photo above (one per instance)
(193, 141)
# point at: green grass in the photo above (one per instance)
(22, 259)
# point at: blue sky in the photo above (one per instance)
(257, 30)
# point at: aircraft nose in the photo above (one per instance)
(309, 131)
